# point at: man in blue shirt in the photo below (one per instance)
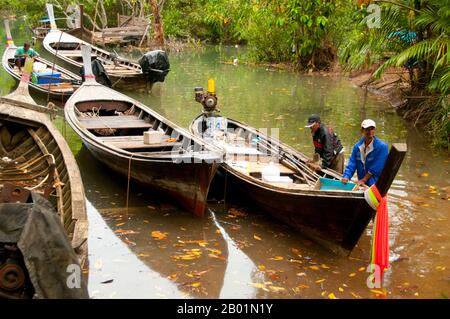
(368, 157)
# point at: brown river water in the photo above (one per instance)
(236, 251)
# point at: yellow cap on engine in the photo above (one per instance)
(211, 88)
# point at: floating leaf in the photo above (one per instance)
(151, 207)
(325, 266)
(157, 235)
(300, 274)
(120, 224)
(258, 285)
(261, 267)
(276, 289)
(257, 237)
(355, 295)
(143, 255)
(353, 274)
(425, 174)
(277, 258)
(320, 281)
(331, 296)
(314, 267)
(341, 289)
(362, 269)
(196, 284)
(173, 277)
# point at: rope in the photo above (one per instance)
(128, 182)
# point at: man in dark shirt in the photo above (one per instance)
(327, 145)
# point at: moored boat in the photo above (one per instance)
(276, 177)
(139, 143)
(40, 183)
(48, 78)
(121, 72)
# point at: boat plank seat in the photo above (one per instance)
(136, 142)
(257, 167)
(113, 122)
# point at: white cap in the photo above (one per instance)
(368, 123)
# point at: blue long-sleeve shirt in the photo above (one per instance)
(373, 162)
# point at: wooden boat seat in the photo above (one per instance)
(257, 167)
(113, 122)
(293, 186)
(136, 142)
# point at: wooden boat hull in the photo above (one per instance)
(335, 222)
(188, 183)
(34, 142)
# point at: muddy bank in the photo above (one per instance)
(392, 85)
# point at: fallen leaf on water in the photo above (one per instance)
(182, 228)
(331, 296)
(120, 224)
(440, 268)
(173, 277)
(300, 274)
(151, 207)
(323, 293)
(362, 269)
(353, 274)
(257, 237)
(325, 266)
(314, 267)
(341, 289)
(277, 258)
(157, 235)
(216, 256)
(355, 295)
(143, 255)
(261, 267)
(214, 251)
(425, 174)
(319, 281)
(378, 292)
(276, 289)
(196, 284)
(295, 261)
(146, 221)
(258, 285)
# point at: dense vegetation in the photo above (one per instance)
(313, 34)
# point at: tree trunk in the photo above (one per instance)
(157, 25)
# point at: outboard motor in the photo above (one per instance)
(155, 64)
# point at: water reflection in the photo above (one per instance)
(116, 272)
(240, 273)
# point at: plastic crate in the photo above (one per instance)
(46, 77)
(327, 184)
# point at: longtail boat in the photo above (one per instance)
(276, 177)
(35, 160)
(68, 48)
(48, 78)
(137, 142)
